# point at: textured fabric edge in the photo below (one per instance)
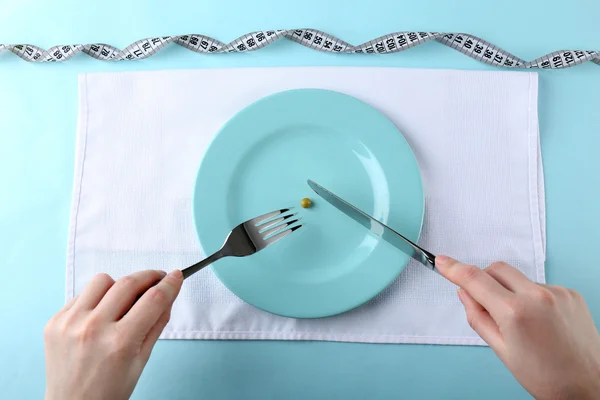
(80, 145)
(536, 181)
(324, 337)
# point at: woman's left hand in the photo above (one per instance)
(99, 343)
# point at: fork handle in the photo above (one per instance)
(192, 269)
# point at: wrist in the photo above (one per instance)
(587, 389)
(593, 389)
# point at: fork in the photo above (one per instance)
(250, 237)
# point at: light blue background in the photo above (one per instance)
(38, 106)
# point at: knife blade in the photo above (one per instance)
(383, 231)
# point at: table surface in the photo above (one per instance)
(38, 111)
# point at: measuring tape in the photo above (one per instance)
(469, 45)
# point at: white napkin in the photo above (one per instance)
(141, 136)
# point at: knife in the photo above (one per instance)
(376, 227)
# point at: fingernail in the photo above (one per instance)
(459, 292)
(176, 274)
(441, 260)
(161, 273)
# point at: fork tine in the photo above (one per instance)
(269, 224)
(277, 228)
(281, 235)
(262, 218)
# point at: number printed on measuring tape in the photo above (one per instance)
(468, 45)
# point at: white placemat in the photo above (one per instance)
(141, 136)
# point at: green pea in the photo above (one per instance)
(305, 203)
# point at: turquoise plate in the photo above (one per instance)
(260, 161)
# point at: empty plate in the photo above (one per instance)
(260, 161)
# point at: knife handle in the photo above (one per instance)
(427, 259)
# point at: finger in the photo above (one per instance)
(148, 309)
(509, 277)
(121, 296)
(481, 321)
(468, 301)
(553, 288)
(482, 287)
(69, 304)
(94, 291)
(63, 310)
(560, 291)
(154, 333)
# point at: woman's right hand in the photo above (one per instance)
(544, 334)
